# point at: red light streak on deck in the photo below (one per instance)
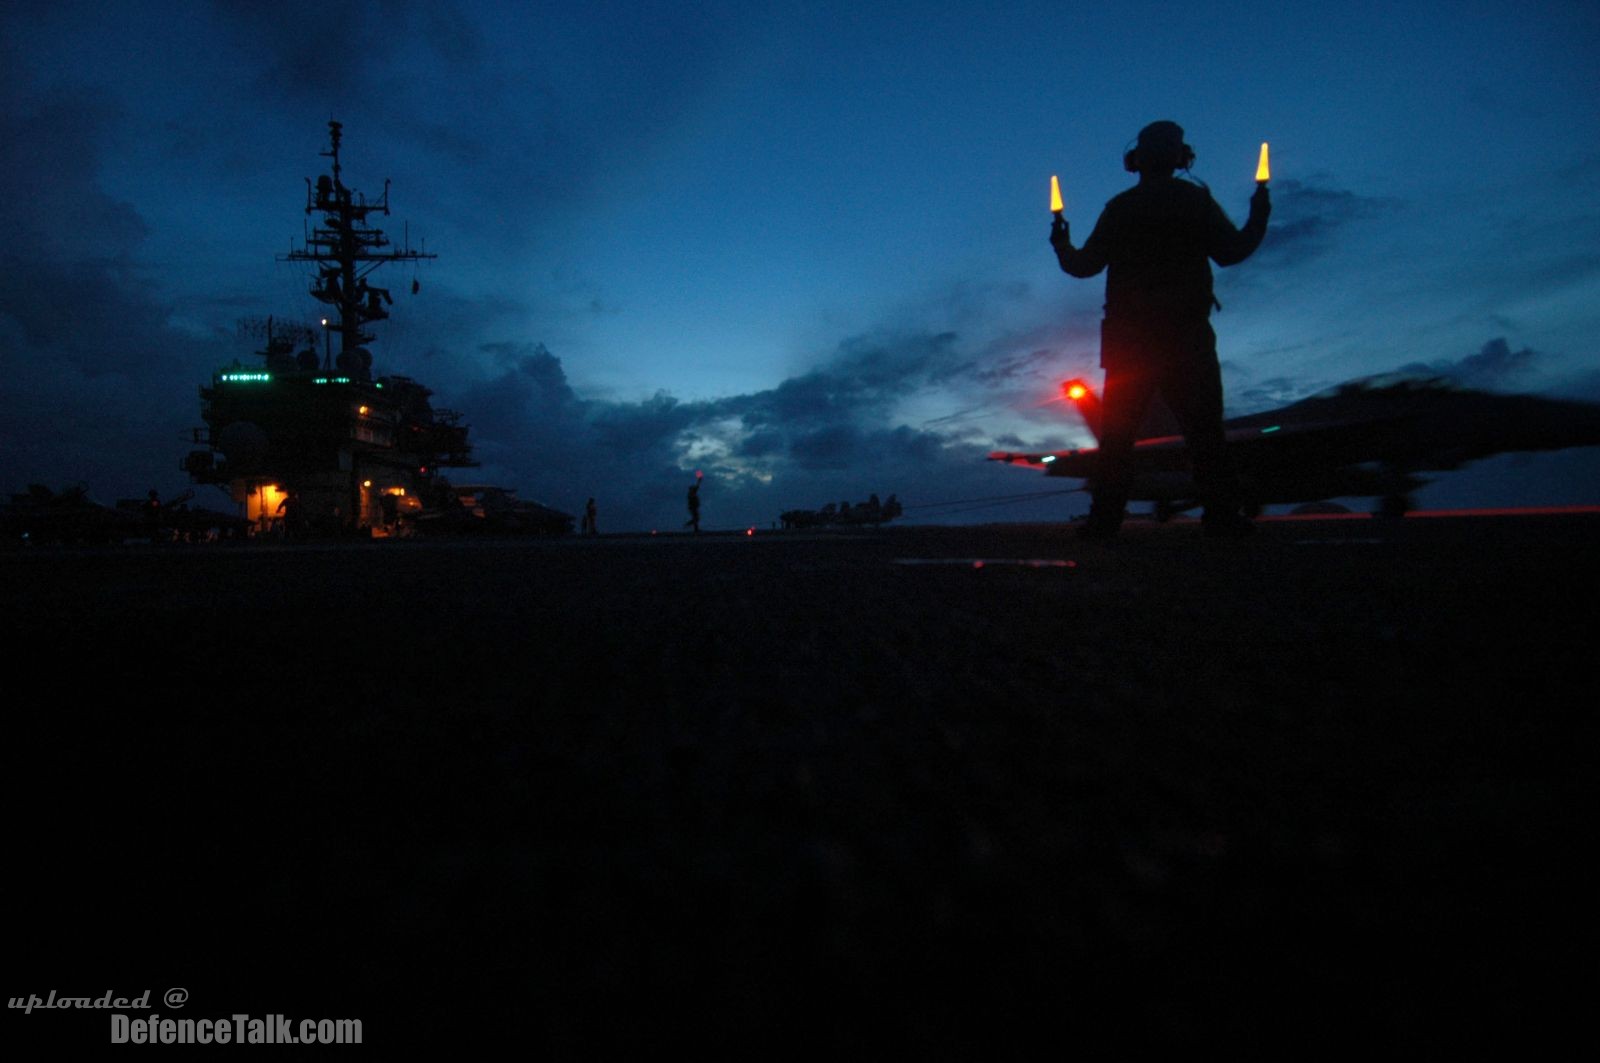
(1502, 511)
(982, 562)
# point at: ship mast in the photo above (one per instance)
(346, 250)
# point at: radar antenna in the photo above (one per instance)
(346, 250)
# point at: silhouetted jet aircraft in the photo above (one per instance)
(1366, 438)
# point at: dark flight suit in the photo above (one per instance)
(1157, 241)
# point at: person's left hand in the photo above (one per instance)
(1059, 236)
(1261, 201)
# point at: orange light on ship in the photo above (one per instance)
(1056, 206)
(1263, 171)
(1075, 390)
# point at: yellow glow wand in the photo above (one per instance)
(1263, 171)
(1056, 206)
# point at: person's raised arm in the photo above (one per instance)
(1229, 245)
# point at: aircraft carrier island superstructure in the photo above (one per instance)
(310, 441)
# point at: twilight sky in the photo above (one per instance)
(800, 246)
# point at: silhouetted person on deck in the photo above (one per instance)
(694, 506)
(151, 508)
(294, 515)
(389, 505)
(589, 518)
(1156, 242)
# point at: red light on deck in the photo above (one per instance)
(749, 531)
(1075, 391)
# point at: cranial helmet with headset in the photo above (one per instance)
(1160, 147)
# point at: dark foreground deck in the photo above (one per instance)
(792, 791)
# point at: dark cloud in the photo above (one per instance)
(51, 202)
(1306, 219)
(451, 34)
(826, 434)
(761, 444)
(1008, 368)
(1270, 394)
(1495, 366)
(862, 380)
(85, 340)
(580, 94)
(535, 371)
(292, 65)
(829, 447)
(650, 427)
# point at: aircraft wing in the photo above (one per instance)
(1158, 452)
(1078, 464)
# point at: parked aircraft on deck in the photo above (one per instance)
(1367, 438)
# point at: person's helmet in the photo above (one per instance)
(1160, 147)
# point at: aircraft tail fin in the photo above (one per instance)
(1082, 397)
(1158, 417)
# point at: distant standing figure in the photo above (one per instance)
(694, 505)
(1156, 242)
(293, 515)
(589, 518)
(390, 506)
(152, 514)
